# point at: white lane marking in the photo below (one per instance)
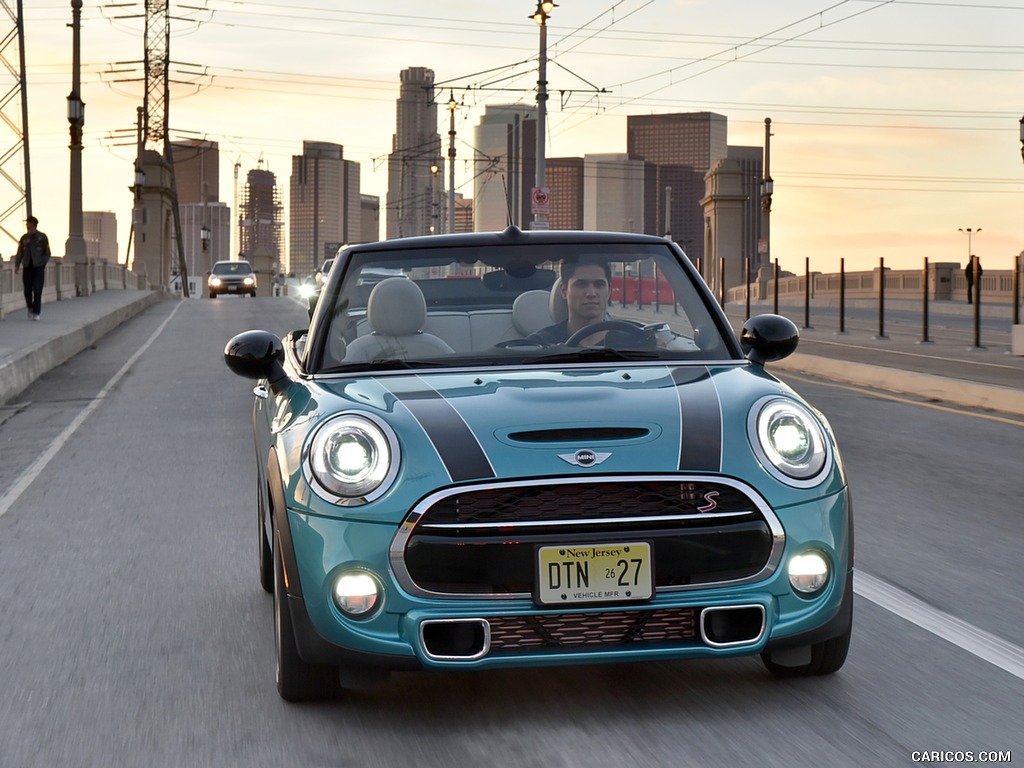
(35, 469)
(978, 642)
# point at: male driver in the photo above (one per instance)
(586, 286)
(33, 253)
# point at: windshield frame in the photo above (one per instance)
(497, 251)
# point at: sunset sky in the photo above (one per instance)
(895, 123)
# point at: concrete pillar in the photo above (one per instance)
(154, 242)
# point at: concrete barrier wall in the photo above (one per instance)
(60, 282)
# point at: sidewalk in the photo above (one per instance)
(949, 369)
(28, 349)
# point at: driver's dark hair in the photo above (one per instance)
(569, 267)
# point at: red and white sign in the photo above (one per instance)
(540, 201)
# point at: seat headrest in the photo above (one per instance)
(530, 312)
(558, 308)
(396, 307)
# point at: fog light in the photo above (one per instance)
(356, 593)
(808, 572)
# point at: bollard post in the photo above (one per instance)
(639, 288)
(721, 282)
(924, 306)
(1016, 291)
(807, 293)
(775, 287)
(975, 264)
(657, 290)
(881, 298)
(842, 296)
(746, 282)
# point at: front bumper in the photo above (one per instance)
(706, 621)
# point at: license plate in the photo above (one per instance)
(594, 573)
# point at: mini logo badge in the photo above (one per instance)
(584, 458)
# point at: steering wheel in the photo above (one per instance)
(640, 332)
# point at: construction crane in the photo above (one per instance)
(238, 215)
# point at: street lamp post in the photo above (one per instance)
(541, 15)
(767, 187)
(75, 249)
(452, 106)
(435, 168)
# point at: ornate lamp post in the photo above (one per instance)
(767, 187)
(75, 249)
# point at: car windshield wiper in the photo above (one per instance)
(597, 355)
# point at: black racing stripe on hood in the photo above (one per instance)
(452, 438)
(701, 420)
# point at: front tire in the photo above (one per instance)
(296, 679)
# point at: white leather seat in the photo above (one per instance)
(558, 308)
(396, 313)
(530, 312)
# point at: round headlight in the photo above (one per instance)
(808, 572)
(788, 440)
(354, 457)
(214, 281)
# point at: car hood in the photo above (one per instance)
(456, 427)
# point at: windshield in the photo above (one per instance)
(452, 306)
(222, 268)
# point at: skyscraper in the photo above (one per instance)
(684, 146)
(504, 167)
(261, 218)
(196, 170)
(614, 193)
(564, 180)
(99, 228)
(325, 209)
(414, 191)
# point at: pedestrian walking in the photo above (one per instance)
(969, 274)
(33, 253)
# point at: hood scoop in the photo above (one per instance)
(579, 435)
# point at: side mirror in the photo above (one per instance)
(767, 338)
(257, 355)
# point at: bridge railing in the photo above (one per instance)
(60, 282)
(946, 282)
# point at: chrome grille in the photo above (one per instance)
(480, 541)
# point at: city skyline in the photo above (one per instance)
(894, 124)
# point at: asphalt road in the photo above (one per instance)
(135, 633)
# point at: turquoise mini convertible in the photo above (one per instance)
(522, 449)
